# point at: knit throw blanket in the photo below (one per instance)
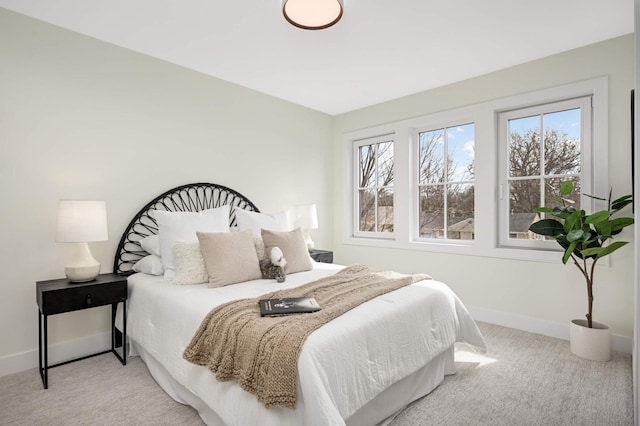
(261, 354)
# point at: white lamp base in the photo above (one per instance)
(308, 240)
(84, 267)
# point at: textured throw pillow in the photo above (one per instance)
(229, 257)
(150, 264)
(151, 244)
(182, 226)
(190, 267)
(293, 247)
(259, 244)
(257, 221)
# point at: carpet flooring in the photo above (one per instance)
(523, 379)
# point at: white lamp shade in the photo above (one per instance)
(306, 216)
(81, 221)
(312, 14)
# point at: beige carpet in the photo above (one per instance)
(524, 379)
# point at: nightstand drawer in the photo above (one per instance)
(58, 296)
(83, 297)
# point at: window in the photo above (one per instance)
(467, 180)
(375, 204)
(543, 146)
(445, 183)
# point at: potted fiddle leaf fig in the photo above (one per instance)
(585, 239)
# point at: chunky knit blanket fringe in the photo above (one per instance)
(261, 354)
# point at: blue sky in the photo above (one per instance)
(564, 121)
(461, 139)
(461, 144)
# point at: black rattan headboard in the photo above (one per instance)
(192, 197)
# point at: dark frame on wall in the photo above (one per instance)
(633, 133)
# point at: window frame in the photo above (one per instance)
(374, 140)
(415, 146)
(486, 192)
(586, 149)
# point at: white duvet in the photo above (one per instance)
(342, 365)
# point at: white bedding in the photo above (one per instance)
(342, 366)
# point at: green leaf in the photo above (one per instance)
(563, 212)
(547, 227)
(543, 210)
(597, 217)
(568, 251)
(604, 251)
(594, 197)
(575, 236)
(621, 222)
(603, 228)
(571, 221)
(566, 187)
(620, 203)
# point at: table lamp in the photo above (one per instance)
(306, 217)
(82, 222)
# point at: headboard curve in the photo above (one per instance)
(192, 197)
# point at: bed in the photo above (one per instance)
(361, 368)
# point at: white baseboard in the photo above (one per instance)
(546, 328)
(59, 352)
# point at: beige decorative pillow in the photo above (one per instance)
(230, 257)
(293, 247)
(189, 264)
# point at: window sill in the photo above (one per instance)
(472, 249)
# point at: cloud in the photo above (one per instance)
(470, 149)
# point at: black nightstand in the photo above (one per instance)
(324, 256)
(59, 296)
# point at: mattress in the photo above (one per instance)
(346, 368)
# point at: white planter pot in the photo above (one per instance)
(590, 343)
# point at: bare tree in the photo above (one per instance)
(376, 178)
(437, 171)
(561, 158)
(376, 163)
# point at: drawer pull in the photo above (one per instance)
(88, 299)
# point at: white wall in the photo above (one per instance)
(542, 297)
(83, 119)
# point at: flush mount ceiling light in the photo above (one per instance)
(312, 14)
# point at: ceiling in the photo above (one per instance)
(380, 50)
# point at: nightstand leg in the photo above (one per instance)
(118, 338)
(39, 343)
(114, 341)
(43, 365)
(124, 332)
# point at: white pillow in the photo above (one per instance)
(151, 264)
(151, 244)
(182, 226)
(257, 221)
(190, 267)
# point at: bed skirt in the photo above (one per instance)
(379, 411)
